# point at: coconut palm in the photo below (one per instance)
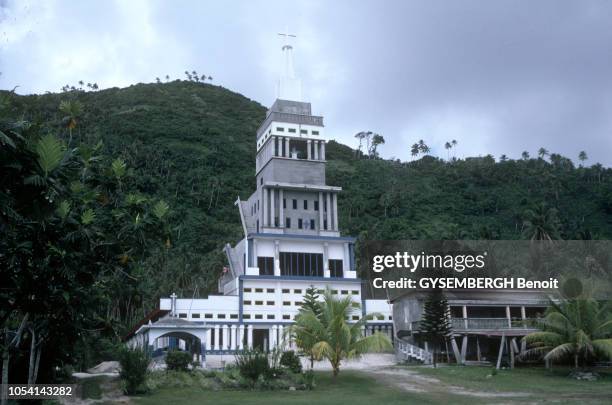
(582, 156)
(525, 155)
(72, 109)
(330, 336)
(580, 329)
(541, 223)
(543, 152)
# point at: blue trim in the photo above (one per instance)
(297, 236)
(301, 278)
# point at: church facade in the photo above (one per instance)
(291, 242)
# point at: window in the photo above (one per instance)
(355, 317)
(305, 204)
(298, 303)
(325, 224)
(246, 316)
(270, 290)
(288, 222)
(301, 264)
(260, 182)
(258, 302)
(266, 268)
(344, 292)
(390, 317)
(303, 131)
(247, 302)
(258, 316)
(195, 315)
(259, 290)
(208, 316)
(315, 132)
(221, 316)
(292, 130)
(316, 206)
(300, 223)
(270, 316)
(286, 316)
(233, 316)
(335, 268)
(355, 292)
(286, 291)
(246, 289)
(182, 315)
(269, 302)
(380, 317)
(287, 303)
(294, 204)
(280, 129)
(355, 304)
(284, 203)
(312, 224)
(297, 291)
(334, 292)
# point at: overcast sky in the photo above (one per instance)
(500, 77)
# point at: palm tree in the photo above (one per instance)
(542, 152)
(582, 156)
(415, 150)
(72, 109)
(541, 223)
(503, 158)
(579, 328)
(377, 139)
(167, 77)
(330, 336)
(447, 146)
(525, 155)
(361, 136)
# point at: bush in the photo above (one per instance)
(291, 361)
(177, 360)
(253, 364)
(134, 364)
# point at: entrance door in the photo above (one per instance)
(261, 337)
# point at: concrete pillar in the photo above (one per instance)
(264, 207)
(464, 343)
(272, 208)
(346, 260)
(456, 352)
(322, 150)
(225, 344)
(281, 338)
(320, 211)
(508, 316)
(241, 337)
(277, 271)
(329, 210)
(254, 253)
(208, 342)
(316, 150)
(335, 210)
(523, 313)
(465, 315)
(273, 332)
(250, 336)
(287, 152)
(281, 208)
(233, 337)
(326, 260)
(217, 336)
(308, 149)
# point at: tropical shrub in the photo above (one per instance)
(291, 361)
(177, 360)
(253, 364)
(134, 364)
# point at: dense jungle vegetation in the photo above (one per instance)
(151, 172)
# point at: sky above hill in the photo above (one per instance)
(500, 77)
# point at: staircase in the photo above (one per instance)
(409, 352)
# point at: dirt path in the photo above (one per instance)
(413, 381)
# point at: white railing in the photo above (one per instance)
(410, 351)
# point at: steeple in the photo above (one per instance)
(289, 87)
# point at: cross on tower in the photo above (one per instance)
(287, 35)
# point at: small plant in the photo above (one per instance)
(177, 360)
(134, 364)
(309, 379)
(291, 361)
(253, 364)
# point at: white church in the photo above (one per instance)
(291, 242)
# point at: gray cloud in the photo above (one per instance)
(500, 77)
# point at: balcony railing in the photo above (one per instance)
(459, 324)
(290, 118)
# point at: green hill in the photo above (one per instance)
(193, 145)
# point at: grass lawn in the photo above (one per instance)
(355, 388)
(351, 388)
(540, 383)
